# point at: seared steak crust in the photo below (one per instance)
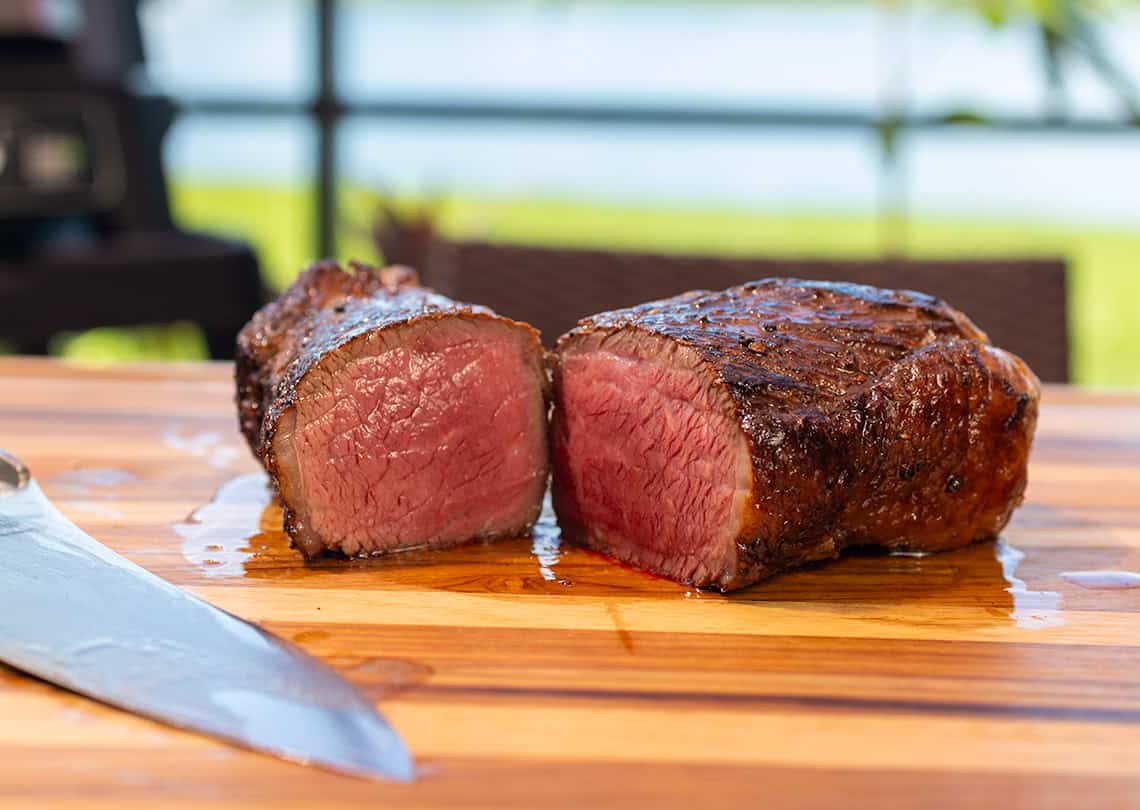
(324, 310)
(872, 417)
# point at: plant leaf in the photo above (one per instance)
(965, 118)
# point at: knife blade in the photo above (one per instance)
(77, 614)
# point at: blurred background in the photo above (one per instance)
(168, 154)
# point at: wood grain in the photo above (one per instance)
(527, 674)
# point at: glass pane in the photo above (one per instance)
(659, 166)
(1087, 179)
(230, 48)
(716, 192)
(1044, 195)
(728, 53)
(248, 178)
(957, 61)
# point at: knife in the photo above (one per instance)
(76, 614)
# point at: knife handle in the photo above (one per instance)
(14, 475)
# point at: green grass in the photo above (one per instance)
(1104, 293)
(278, 221)
(176, 341)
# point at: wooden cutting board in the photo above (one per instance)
(525, 674)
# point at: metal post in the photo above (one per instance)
(894, 85)
(327, 110)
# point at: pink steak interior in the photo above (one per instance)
(426, 434)
(650, 465)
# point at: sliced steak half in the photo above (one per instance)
(390, 417)
(717, 438)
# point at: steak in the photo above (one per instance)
(717, 438)
(390, 417)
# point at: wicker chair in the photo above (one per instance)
(1020, 303)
